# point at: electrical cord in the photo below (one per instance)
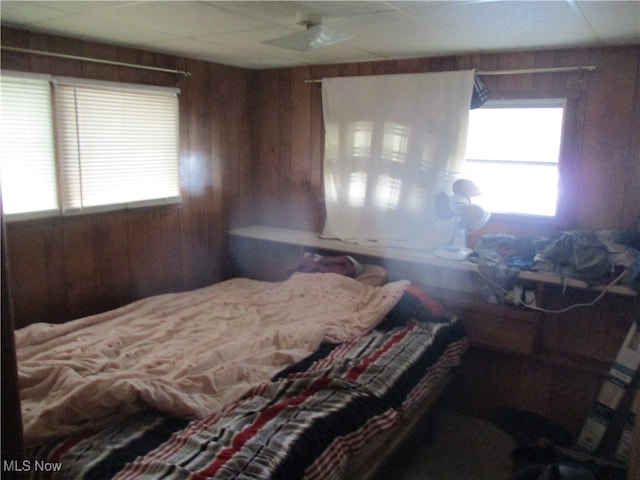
(562, 310)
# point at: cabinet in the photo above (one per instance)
(502, 329)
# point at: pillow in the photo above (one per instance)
(415, 305)
(373, 275)
(344, 265)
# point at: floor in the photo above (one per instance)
(461, 448)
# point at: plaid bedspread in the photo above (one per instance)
(306, 423)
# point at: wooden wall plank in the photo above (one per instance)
(80, 268)
(316, 153)
(516, 61)
(630, 214)
(140, 256)
(541, 82)
(57, 309)
(171, 247)
(237, 174)
(99, 70)
(111, 250)
(283, 103)
(29, 285)
(608, 133)
(268, 150)
(302, 200)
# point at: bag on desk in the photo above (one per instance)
(579, 254)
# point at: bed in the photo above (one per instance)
(313, 377)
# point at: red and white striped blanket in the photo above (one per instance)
(306, 423)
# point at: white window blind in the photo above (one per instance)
(27, 163)
(118, 146)
(94, 146)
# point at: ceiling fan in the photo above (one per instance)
(315, 35)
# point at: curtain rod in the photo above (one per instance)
(589, 68)
(94, 60)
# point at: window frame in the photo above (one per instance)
(62, 210)
(550, 101)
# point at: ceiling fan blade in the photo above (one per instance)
(315, 36)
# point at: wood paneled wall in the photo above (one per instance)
(600, 158)
(251, 152)
(64, 268)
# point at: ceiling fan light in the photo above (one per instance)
(315, 36)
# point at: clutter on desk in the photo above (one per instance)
(596, 257)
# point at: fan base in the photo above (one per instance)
(451, 252)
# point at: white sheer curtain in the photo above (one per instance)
(388, 140)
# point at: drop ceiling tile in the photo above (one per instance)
(27, 13)
(248, 38)
(276, 12)
(395, 35)
(342, 9)
(80, 6)
(508, 25)
(175, 18)
(284, 13)
(97, 29)
(208, 51)
(613, 22)
(340, 53)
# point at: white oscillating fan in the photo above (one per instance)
(455, 203)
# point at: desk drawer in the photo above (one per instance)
(516, 333)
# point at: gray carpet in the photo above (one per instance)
(461, 448)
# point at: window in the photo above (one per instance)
(513, 152)
(116, 146)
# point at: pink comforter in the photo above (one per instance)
(187, 353)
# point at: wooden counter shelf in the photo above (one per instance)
(308, 239)
(500, 328)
